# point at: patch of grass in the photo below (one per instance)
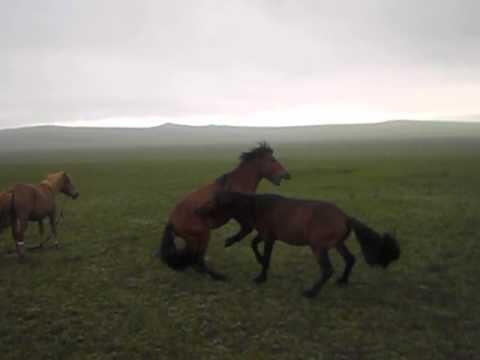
(103, 295)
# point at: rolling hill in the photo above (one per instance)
(53, 137)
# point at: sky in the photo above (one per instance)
(265, 62)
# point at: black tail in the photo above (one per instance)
(7, 210)
(377, 249)
(168, 253)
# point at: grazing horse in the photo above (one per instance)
(318, 224)
(25, 202)
(185, 223)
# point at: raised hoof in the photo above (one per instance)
(310, 294)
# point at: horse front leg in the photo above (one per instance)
(257, 240)
(244, 231)
(265, 261)
(41, 228)
(53, 228)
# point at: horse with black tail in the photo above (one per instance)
(186, 223)
(318, 224)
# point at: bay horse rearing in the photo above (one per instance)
(27, 202)
(319, 224)
(185, 223)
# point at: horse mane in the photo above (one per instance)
(262, 149)
(53, 180)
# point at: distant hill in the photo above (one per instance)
(52, 137)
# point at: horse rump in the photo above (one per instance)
(168, 253)
(378, 250)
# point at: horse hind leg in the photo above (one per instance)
(349, 263)
(199, 263)
(327, 272)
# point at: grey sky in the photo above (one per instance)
(240, 62)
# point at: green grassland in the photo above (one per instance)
(103, 296)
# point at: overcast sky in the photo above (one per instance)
(264, 62)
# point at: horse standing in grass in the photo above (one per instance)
(184, 221)
(318, 224)
(25, 202)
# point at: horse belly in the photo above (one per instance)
(36, 216)
(293, 236)
(291, 226)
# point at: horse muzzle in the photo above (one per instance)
(277, 180)
(75, 195)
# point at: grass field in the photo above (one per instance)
(103, 295)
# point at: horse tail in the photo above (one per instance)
(377, 249)
(168, 253)
(7, 208)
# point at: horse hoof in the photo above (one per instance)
(220, 278)
(309, 294)
(260, 279)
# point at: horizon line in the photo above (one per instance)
(76, 126)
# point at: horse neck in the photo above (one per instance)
(53, 184)
(244, 178)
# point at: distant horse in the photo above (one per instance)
(319, 224)
(184, 222)
(25, 202)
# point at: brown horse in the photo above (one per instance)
(319, 224)
(25, 202)
(184, 221)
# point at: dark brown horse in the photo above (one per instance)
(25, 202)
(185, 223)
(318, 224)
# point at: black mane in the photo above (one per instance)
(262, 149)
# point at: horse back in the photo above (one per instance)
(303, 222)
